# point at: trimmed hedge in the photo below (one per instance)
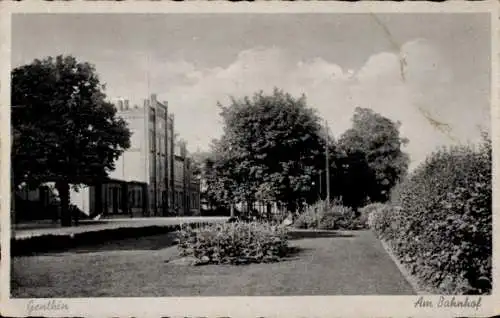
(58, 243)
(234, 243)
(333, 216)
(442, 229)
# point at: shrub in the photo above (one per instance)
(234, 243)
(379, 218)
(310, 218)
(339, 217)
(443, 231)
(324, 216)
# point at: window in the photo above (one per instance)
(161, 113)
(119, 198)
(161, 144)
(152, 145)
(110, 197)
(151, 199)
(152, 115)
(164, 197)
(151, 170)
(179, 171)
(138, 192)
(131, 199)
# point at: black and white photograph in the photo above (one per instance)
(265, 154)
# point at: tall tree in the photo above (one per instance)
(64, 130)
(270, 148)
(214, 189)
(372, 157)
(221, 187)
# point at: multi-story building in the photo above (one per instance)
(149, 176)
(186, 187)
(160, 158)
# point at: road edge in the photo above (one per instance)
(414, 283)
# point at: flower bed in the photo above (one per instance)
(234, 243)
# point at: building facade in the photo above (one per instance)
(186, 186)
(151, 178)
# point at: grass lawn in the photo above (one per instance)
(328, 263)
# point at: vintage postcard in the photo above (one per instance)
(308, 159)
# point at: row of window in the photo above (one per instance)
(192, 201)
(159, 145)
(113, 199)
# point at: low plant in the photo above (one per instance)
(309, 219)
(234, 243)
(380, 218)
(325, 216)
(365, 212)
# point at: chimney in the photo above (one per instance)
(153, 98)
(166, 107)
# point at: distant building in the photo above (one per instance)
(150, 178)
(186, 187)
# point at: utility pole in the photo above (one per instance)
(327, 163)
(320, 185)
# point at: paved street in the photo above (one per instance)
(32, 229)
(328, 263)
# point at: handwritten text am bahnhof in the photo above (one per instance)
(449, 302)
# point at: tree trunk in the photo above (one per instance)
(63, 189)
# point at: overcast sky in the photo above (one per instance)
(405, 66)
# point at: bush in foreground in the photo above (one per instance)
(328, 216)
(443, 229)
(234, 243)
